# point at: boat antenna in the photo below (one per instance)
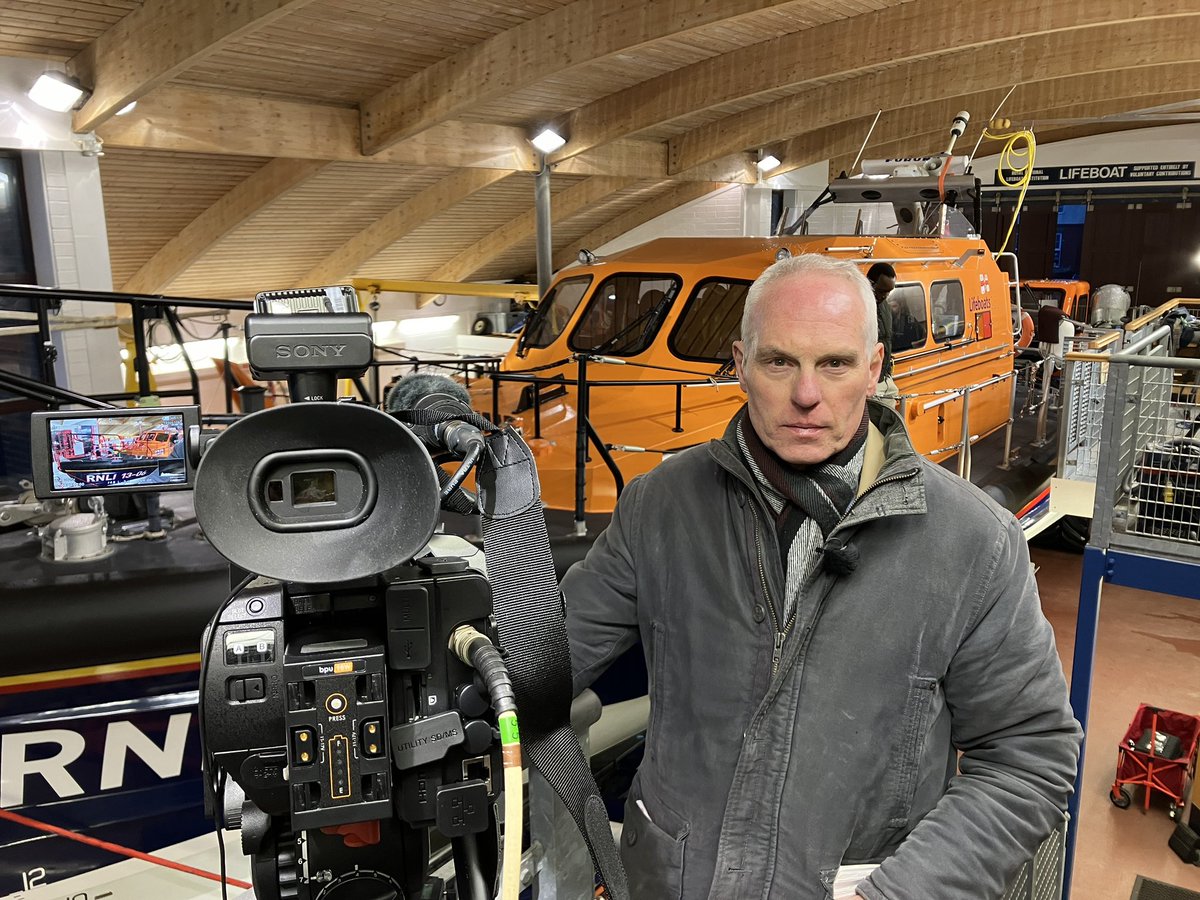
(999, 106)
(862, 149)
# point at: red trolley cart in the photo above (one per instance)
(1159, 753)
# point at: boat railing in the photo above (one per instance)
(46, 317)
(926, 401)
(44, 320)
(1148, 471)
(585, 432)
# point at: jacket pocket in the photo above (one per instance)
(906, 755)
(652, 853)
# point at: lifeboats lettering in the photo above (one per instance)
(979, 304)
(52, 755)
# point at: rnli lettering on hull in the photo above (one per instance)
(54, 758)
(115, 477)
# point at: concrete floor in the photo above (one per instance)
(1148, 651)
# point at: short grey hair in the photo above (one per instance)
(811, 264)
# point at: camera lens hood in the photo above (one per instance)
(317, 493)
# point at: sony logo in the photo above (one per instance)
(54, 756)
(308, 351)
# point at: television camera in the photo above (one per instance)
(353, 697)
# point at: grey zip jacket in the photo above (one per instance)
(778, 751)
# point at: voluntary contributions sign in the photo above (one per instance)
(1107, 173)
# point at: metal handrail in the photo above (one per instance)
(1144, 320)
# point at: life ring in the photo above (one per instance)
(1025, 338)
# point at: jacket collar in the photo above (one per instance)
(889, 463)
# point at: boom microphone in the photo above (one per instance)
(436, 393)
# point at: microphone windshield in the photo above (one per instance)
(411, 389)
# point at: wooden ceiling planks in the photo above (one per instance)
(423, 250)
(521, 259)
(57, 29)
(342, 51)
(281, 243)
(584, 84)
(150, 196)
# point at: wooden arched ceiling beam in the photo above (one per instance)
(924, 127)
(1026, 60)
(265, 186)
(156, 42)
(679, 194)
(903, 33)
(567, 37)
(385, 231)
(563, 205)
(189, 120)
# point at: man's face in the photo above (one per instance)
(809, 373)
(882, 286)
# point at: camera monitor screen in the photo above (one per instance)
(109, 451)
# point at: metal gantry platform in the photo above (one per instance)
(1146, 522)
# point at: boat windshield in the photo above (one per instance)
(1034, 298)
(555, 311)
(873, 219)
(624, 313)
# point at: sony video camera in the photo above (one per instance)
(338, 727)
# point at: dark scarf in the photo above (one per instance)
(823, 492)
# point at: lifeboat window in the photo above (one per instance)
(711, 321)
(949, 313)
(910, 327)
(555, 311)
(624, 314)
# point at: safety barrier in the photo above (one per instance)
(1148, 484)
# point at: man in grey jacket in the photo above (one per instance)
(829, 620)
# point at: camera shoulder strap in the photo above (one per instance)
(532, 627)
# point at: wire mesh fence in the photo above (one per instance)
(1148, 486)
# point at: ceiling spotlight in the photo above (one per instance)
(768, 162)
(57, 91)
(548, 140)
(127, 108)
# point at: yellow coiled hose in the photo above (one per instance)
(1017, 157)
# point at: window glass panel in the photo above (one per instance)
(1034, 298)
(624, 314)
(555, 311)
(947, 309)
(711, 321)
(18, 352)
(909, 324)
(16, 253)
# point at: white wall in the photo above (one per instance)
(66, 215)
(736, 211)
(70, 244)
